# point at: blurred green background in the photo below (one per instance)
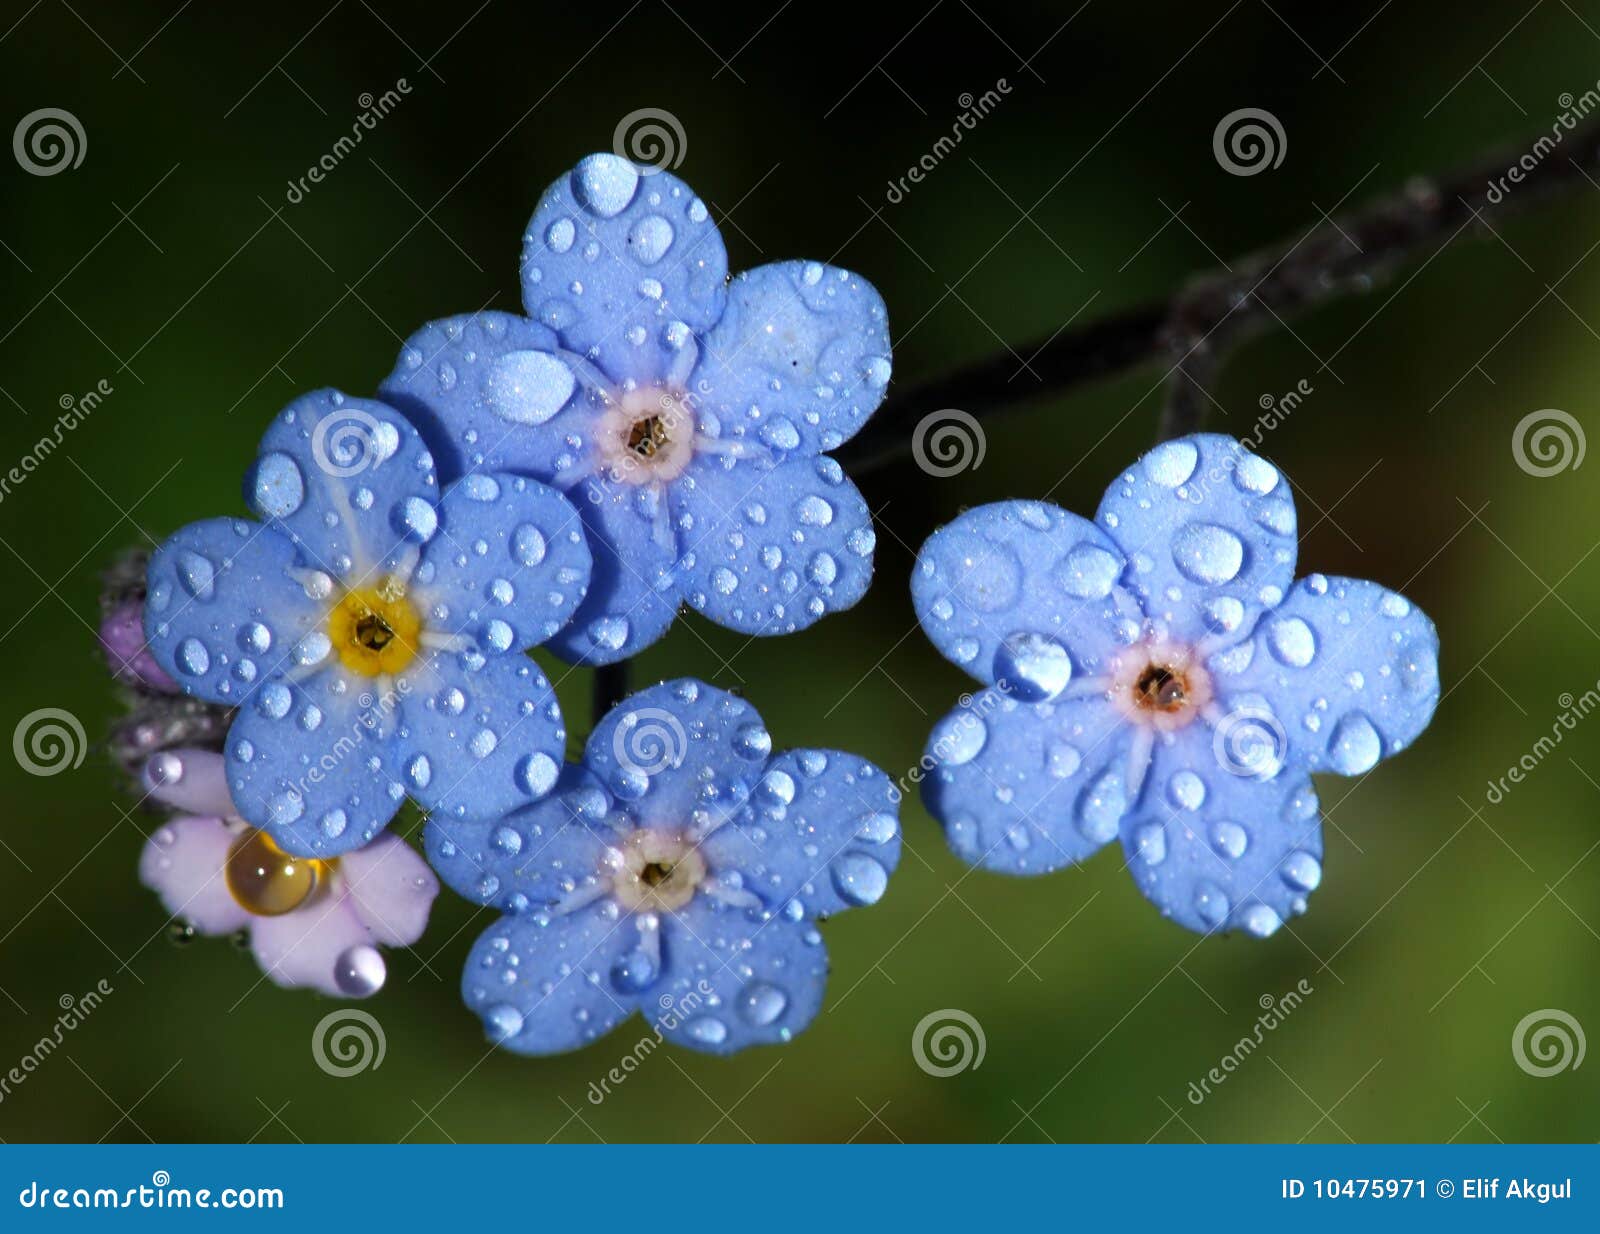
(170, 265)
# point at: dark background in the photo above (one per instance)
(170, 265)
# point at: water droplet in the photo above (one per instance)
(877, 828)
(1187, 790)
(1302, 871)
(359, 971)
(760, 1003)
(528, 387)
(604, 184)
(1170, 464)
(1230, 840)
(958, 738)
(1207, 553)
(1260, 920)
(197, 574)
(1355, 747)
(1088, 572)
(277, 487)
(859, 879)
(1101, 807)
(1032, 667)
(1210, 903)
(503, 1021)
(650, 239)
(1292, 642)
(193, 658)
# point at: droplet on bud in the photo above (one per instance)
(359, 971)
(266, 881)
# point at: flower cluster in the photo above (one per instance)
(650, 434)
(654, 433)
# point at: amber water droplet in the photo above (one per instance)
(265, 880)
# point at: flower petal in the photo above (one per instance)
(350, 481)
(307, 763)
(1209, 532)
(771, 550)
(391, 888)
(1025, 788)
(542, 983)
(223, 610)
(535, 856)
(799, 360)
(189, 780)
(302, 948)
(615, 257)
(821, 828)
(509, 564)
(735, 981)
(679, 753)
(633, 593)
(1349, 667)
(489, 393)
(1026, 593)
(479, 735)
(1245, 857)
(183, 862)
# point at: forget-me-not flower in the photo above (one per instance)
(686, 415)
(1160, 676)
(311, 922)
(679, 872)
(369, 630)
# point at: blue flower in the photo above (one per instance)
(678, 872)
(369, 631)
(686, 415)
(1159, 675)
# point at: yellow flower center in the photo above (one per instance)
(266, 881)
(375, 629)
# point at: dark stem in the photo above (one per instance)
(1192, 330)
(610, 688)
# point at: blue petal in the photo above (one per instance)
(1209, 532)
(771, 550)
(679, 753)
(1022, 591)
(509, 564)
(541, 982)
(479, 735)
(348, 480)
(222, 610)
(633, 594)
(1244, 857)
(312, 765)
(532, 857)
(1025, 788)
(733, 982)
(1349, 668)
(799, 360)
(615, 258)
(820, 834)
(488, 393)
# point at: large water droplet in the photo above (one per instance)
(760, 1003)
(1207, 553)
(528, 387)
(1292, 641)
(1355, 747)
(1032, 667)
(859, 879)
(604, 184)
